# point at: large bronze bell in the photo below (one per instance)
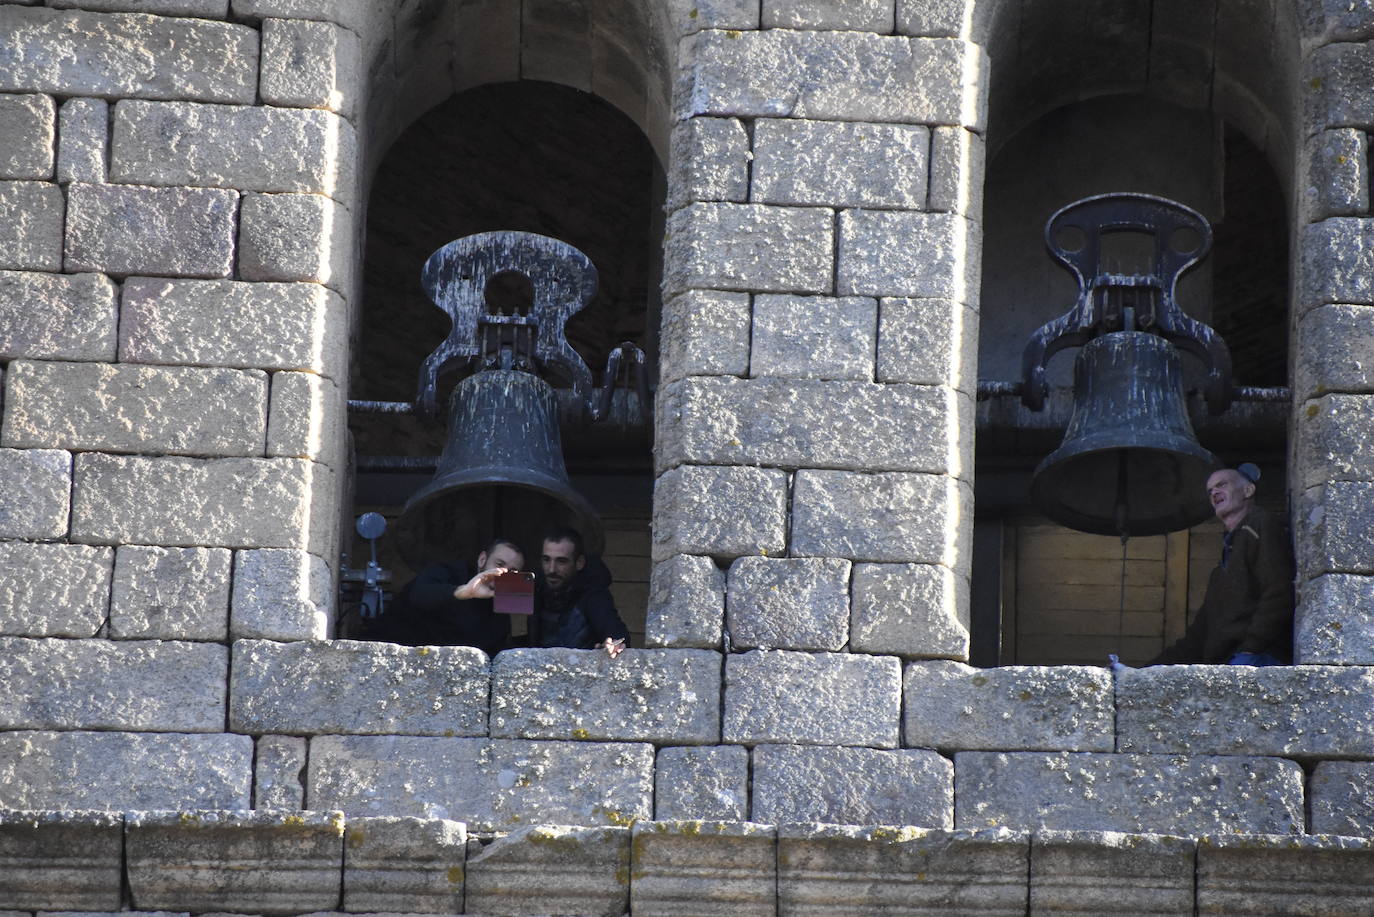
(1130, 463)
(501, 473)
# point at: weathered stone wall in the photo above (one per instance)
(181, 182)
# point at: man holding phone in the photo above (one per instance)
(574, 607)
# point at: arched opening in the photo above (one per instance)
(529, 133)
(1192, 105)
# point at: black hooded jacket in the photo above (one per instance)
(583, 615)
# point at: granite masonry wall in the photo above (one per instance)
(180, 188)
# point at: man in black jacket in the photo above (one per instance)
(1246, 617)
(575, 607)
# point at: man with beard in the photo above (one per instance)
(574, 607)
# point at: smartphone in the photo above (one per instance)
(514, 593)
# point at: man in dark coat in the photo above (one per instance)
(1246, 617)
(447, 605)
(574, 607)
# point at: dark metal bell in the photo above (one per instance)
(501, 473)
(1130, 463)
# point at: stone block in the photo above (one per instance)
(938, 18)
(1335, 440)
(170, 593)
(224, 323)
(957, 158)
(858, 15)
(281, 594)
(1106, 872)
(296, 237)
(350, 687)
(686, 603)
(1331, 344)
(203, 9)
(723, 512)
(1335, 621)
(352, 14)
(305, 418)
(27, 128)
(552, 869)
(689, 16)
(850, 700)
(852, 786)
(44, 476)
(112, 55)
(909, 610)
(830, 869)
(1337, 83)
(897, 253)
(1017, 708)
(1135, 794)
(702, 783)
(124, 770)
(670, 858)
(840, 163)
(250, 148)
(793, 423)
(61, 859)
(232, 503)
(259, 862)
(752, 247)
(895, 517)
(1281, 876)
(928, 341)
(404, 865)
(132, 229)
(57, 316)
(814, 337)
(1294, 711)
(709, 161)
(279, 773)
(788, 603)
(658, 695)
(151, 686)
(310, 65)
(1336, 167)
(1337, 263)
(31, 234)
(1339, 798)
(106, 407)
(83, 137)
(53, 590)
(1333, 525)
(491, 784)
(834, 76)
(704, 333)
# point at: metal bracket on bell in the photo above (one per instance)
(1106, 300)
(562, 282)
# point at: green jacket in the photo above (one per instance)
(1248, 607)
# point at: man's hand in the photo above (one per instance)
(480, 586)
(613, 646)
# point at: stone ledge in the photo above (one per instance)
(1107, 872)
(61, 860)
(1277, 876)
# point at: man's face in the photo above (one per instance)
(1228, 492)
(503, 555)
(560, 562)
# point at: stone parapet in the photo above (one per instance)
(278, 772)
(1159, 794)
(135, 685)
(53, 590)
(119, 54)
(355, 688)
(1293, 711)
(852, 786)
(1279, 876)
(832, 870)
(657, 695)
(850, 699)
(702, 783)
(404, 865)
(61, 860)
(57, 316)
(551, 870)
(1339, 800)
(124, 771)
(950, 705)
(106, 407)
(1106, 872)
(669, 859)
(230, 860)
(490, 784)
